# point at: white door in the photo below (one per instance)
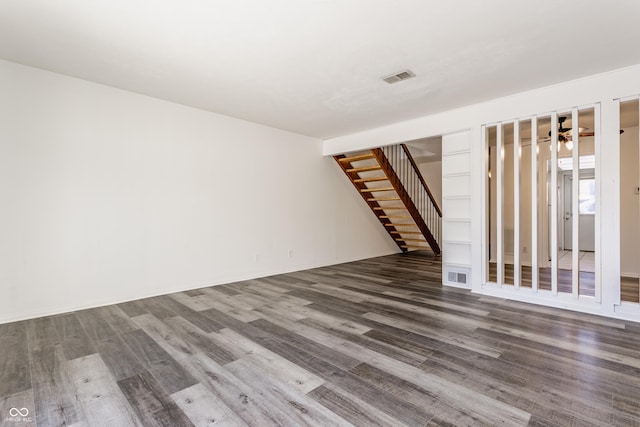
(586, 212)
(587, 202)
(567, 215)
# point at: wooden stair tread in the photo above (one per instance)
(405, 232)
(371, 190)
(400, 225)
(382, 199)
(365, 168)
(414, 247)
(371, 179)
(402, 239)
(395, 216)
(384, 208)
(356, 158)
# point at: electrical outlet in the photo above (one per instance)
(525, 250)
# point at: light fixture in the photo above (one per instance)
(567, 140)
(568, 143)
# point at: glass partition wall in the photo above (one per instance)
(541, 202)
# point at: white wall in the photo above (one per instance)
(109, 196)
(432, 174)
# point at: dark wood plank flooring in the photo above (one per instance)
(373, 342)
(629, 289)
(586, 281)
(629, 286)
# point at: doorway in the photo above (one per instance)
(587, 210)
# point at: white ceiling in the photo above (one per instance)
(314, 66)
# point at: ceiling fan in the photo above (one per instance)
(565, 136)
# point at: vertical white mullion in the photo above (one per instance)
(613, 293)
(575, 205)
(500, 205)
(534, 203)
(516, 204)
(597, 130)
(553, 189)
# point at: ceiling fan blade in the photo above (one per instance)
(593, 133)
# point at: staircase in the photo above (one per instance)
(389, 181)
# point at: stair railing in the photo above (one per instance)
(416, 187)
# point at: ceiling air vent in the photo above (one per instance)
(398, 77)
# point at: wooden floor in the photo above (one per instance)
(586, 281)
(629, 289)
(374, 342)
(629, 286)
